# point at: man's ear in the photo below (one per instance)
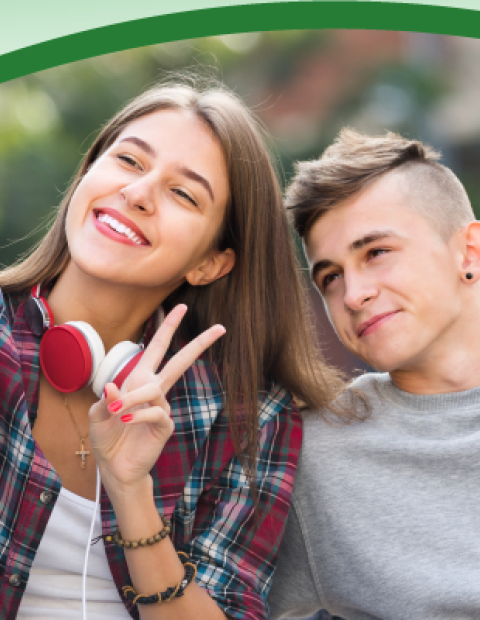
(470, 241)
(215, 266)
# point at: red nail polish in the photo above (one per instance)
(127, 417)
(115, 406)
(105, 392)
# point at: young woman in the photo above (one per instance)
(175, 206)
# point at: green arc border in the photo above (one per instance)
(325, 14)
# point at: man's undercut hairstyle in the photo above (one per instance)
(355, 160)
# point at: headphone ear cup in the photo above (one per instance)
(38, 315)
(117, 365)
(70, 355)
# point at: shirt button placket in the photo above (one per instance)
(15, 580)
(46, 497)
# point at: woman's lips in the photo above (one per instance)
(114, 225)
(367, 327)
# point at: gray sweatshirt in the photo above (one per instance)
(385, 518)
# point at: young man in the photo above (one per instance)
(385, 520)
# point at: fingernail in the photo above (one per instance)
(115, 406)
(105, 392)
(127, 417)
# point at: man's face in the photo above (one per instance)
(388, 280)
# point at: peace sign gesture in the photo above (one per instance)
(130, 427)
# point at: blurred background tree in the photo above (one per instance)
(304, 85)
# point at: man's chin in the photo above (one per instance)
(382, 364)
(385, 355)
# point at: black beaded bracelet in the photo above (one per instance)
(170, 593)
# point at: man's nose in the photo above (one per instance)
(359, 290)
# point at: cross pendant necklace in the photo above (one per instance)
(82, 452)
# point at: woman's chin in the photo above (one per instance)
(97, 267)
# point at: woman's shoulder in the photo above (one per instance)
(273, 400)
(10, 303)
(15, 331)
(11, 338)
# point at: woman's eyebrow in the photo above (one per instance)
(187, 172)
(141, 144)
(194, 176)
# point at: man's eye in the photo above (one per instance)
(372, 253)
(183, 194)
(328, 279)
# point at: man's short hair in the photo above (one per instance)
(355, 160)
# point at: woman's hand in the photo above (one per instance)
(130, 427)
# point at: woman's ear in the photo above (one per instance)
(215, 266)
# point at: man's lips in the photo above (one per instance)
(369, 326)
(113, 223)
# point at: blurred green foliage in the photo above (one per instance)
(47, 120)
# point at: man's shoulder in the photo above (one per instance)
(331, 445)
(363, 394)
(368, 383)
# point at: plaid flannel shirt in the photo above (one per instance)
(198, 481)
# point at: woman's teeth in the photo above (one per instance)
(119, 228)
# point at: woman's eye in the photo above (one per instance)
(128, 159)
(183, 194)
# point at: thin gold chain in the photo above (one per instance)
(81, 437)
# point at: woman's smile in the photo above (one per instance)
(116, 226)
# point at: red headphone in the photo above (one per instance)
(72, 355)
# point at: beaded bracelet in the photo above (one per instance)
(170, 593)
(117, 539)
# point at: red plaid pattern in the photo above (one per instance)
(198, 481)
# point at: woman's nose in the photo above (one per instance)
(140, 195)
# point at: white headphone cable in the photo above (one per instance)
(87, 550)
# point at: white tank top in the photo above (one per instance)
(54, 588)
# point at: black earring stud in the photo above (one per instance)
(469, 275)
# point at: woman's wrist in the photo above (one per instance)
(129, 496)
(137, 516)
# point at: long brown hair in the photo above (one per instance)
(261, 302)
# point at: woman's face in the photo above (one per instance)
(148, 210)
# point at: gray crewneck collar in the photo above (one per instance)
(426, 402)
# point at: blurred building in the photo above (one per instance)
(422, 85)
(304, 85)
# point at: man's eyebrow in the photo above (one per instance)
(141, 144)
(194, 176)
(371, 237)
(358, 244)
(319, 266)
